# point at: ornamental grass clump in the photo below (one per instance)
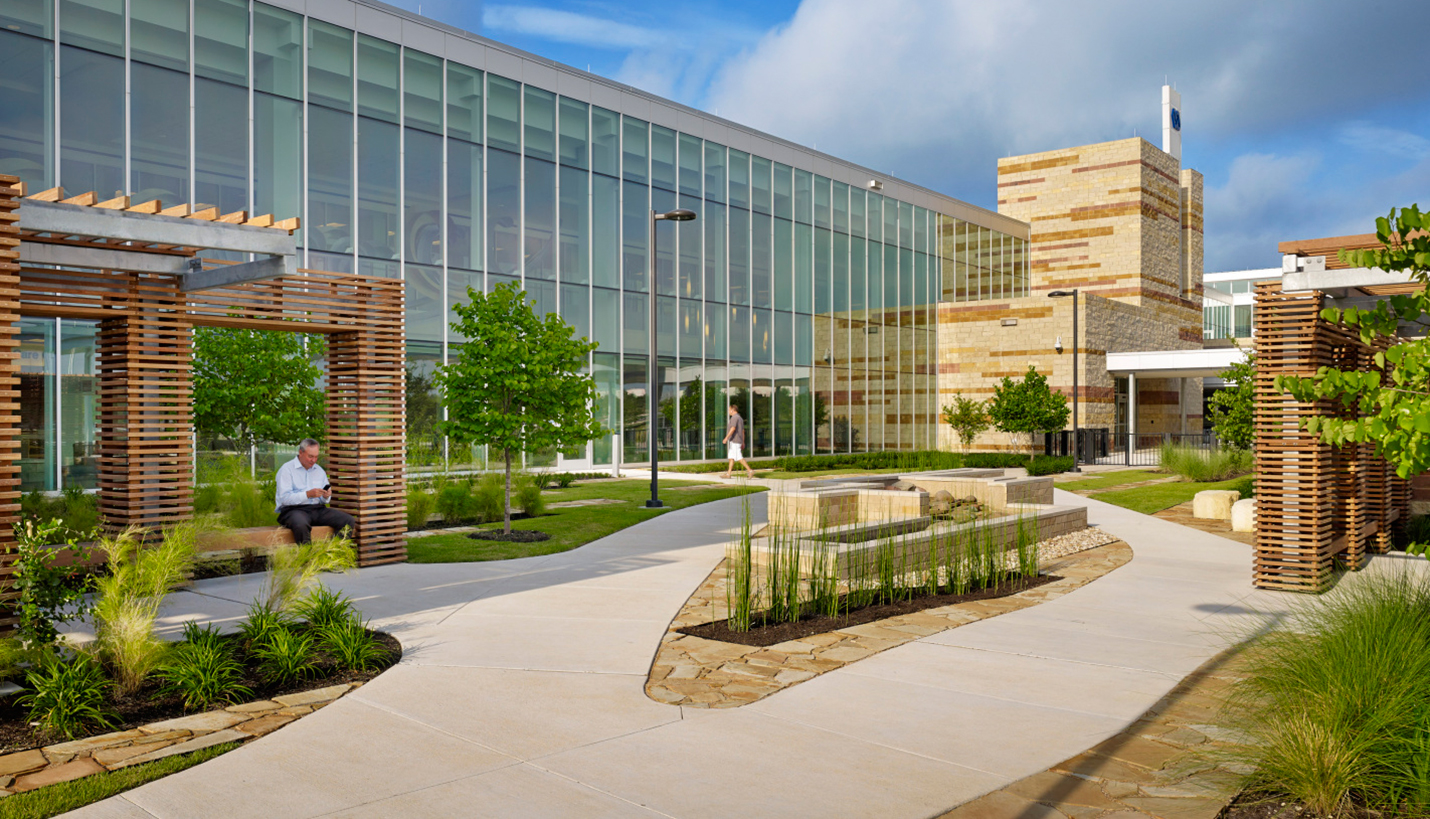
(1336, 705)
(286, 656)
(294, 568)
(1205, 465)
(739, 573)
(129, 596)
(323, 607)
(351, 644)
(420, 503)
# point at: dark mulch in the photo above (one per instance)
(514, 536)
(442, 524)
(1262, 806)
(818, 624)
(148, 705)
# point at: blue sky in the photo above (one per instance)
(1307, 118)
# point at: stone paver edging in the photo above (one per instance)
(1173, 763)
(52, 764)
(700, 673)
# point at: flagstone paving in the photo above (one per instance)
(521, 692)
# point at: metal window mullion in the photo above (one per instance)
(55, 92)
(126, 184)
(193, 149)
(401, 215)
(59, 428)
(356, 221)
(251, 176)
(306, 181)
(443, 286)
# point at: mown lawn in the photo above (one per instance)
(573, 526)
(1155, 498)
(53, 800)
(1106, 480)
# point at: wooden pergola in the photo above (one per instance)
(134, 268)
(1316, 504)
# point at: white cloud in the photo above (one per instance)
(568, 27)
(1366, 136)
(935, 91)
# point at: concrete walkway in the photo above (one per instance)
(520, 693)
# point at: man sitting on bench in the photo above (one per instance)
(303, 495)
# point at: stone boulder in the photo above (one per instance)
(1214, 504)
(1243, 515)
(941, 503)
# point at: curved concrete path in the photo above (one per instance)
(521, 691)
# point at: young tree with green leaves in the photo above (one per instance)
(517, 384)
(1029, 405)
(1389, 405)
(969, 418)
(259, 385)
(1233, 408)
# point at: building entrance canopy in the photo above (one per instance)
(1206, 363)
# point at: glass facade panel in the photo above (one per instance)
(574, 128)
(159, 128)
(36, 457)
(79, 405)
(422, 91)
(662, 157)
(221, 145)
(540, 118)
(221, 41)
(540, 205)
(27, 98)
(377, 187)
(575, 220)
(422, 202)
(464, 103)
(503, 113)
(790, 293)
(503, 213)
(605, 141)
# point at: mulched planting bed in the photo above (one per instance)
(1261, 806)
(148, 705)
(514, 536)
(818, 624)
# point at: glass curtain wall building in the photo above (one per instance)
(802, 292)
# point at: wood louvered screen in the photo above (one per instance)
(1314, 503)
(10, 192)
(146, 456)
(366, 434)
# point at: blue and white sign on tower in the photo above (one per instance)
(1172, 122)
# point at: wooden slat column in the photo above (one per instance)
(366, 438)
(10, 192)
(1295, 472)
(145, 407)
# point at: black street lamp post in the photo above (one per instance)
(678, 215)
(1057, 294)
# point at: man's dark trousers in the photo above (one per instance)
(302, 519)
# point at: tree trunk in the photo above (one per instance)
(506, 506)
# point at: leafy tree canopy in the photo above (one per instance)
(1233, 408)
(517, 383)
(1389, 405)
(259, 385)
(968, 417)
(1029, 405)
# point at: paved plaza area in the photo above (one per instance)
(520, 693)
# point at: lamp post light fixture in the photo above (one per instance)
(1058, 294)
(677, 215)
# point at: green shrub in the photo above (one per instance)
(286, 656)
(527, 494)
(203, 671)
(419, 507)
(352, 645)
(1337, 703)
(564, 480)
(129, 597)
(488, 497)
(1046, 465)
(294, 568)
(80, 512)
(208, 499)
(66, 697)
(48, 593)
(1246, 486)
(1205, 466)
(261, 623)
(454, 503)
(323, 607)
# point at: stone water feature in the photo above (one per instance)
(840, 517)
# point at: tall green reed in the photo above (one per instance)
(739, 574)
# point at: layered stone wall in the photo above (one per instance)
(1121, 222)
